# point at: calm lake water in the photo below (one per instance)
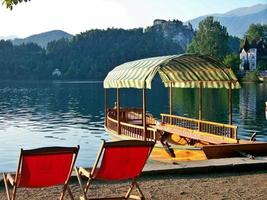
(37, 114)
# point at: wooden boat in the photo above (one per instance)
(178, 137)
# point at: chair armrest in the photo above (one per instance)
(84, 172)
(11, 179)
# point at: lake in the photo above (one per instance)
(38, 114)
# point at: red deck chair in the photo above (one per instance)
(43, 167)
(120, 160)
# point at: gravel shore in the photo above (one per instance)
(223, 186)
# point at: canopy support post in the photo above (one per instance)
(171, 103)
(105, 105)
(118, 112)
(200, 102)
(230, 106)
(199, 106)
(144, 114)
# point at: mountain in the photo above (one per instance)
(246, 10)
(43, 39)
(9, 37)
(237, 21)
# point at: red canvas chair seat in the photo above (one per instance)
(120, 163)
(43, 167)
(45, 170)
(120, 160)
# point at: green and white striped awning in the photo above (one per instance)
(182, 71)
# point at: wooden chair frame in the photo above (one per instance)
(8, 178)
(89, 174)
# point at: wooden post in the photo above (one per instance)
(230, 106)
(118, 112)
(105, 105)
(199, 106)
(171, 105)
(200, 102)
(144, 114)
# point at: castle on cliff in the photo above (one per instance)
(175, 30)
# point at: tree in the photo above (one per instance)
(233, 44)
(10, 3)
(233, 61)
(211, 39)
(261, 65)
(257, 32)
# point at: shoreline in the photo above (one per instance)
(235, 185)
(228, 178)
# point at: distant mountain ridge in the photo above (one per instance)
(237, 21)
(43, 39)
(245, 10)
(9, 37)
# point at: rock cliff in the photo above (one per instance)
(175, 30)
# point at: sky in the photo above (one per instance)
(75, 16)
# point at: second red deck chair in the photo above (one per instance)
(119, 160)
(43, 167)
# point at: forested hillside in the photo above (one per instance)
(88, 56)
(42, 39)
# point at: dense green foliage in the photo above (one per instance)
(89, 55)
(22, 62)
(257, 32)
(233, 61)
(211, 39)
(261, 65)
(233, 45)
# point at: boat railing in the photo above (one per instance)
(225, 130)
(131, 123)
(136, 131)
(133, 115)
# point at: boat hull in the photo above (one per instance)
(249, 149)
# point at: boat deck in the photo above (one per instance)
(194, 134)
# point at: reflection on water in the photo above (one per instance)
(35, 114)
(251, 115)
(50, 114)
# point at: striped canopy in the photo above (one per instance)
(182, 71)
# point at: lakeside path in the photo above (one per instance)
(245, 179)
